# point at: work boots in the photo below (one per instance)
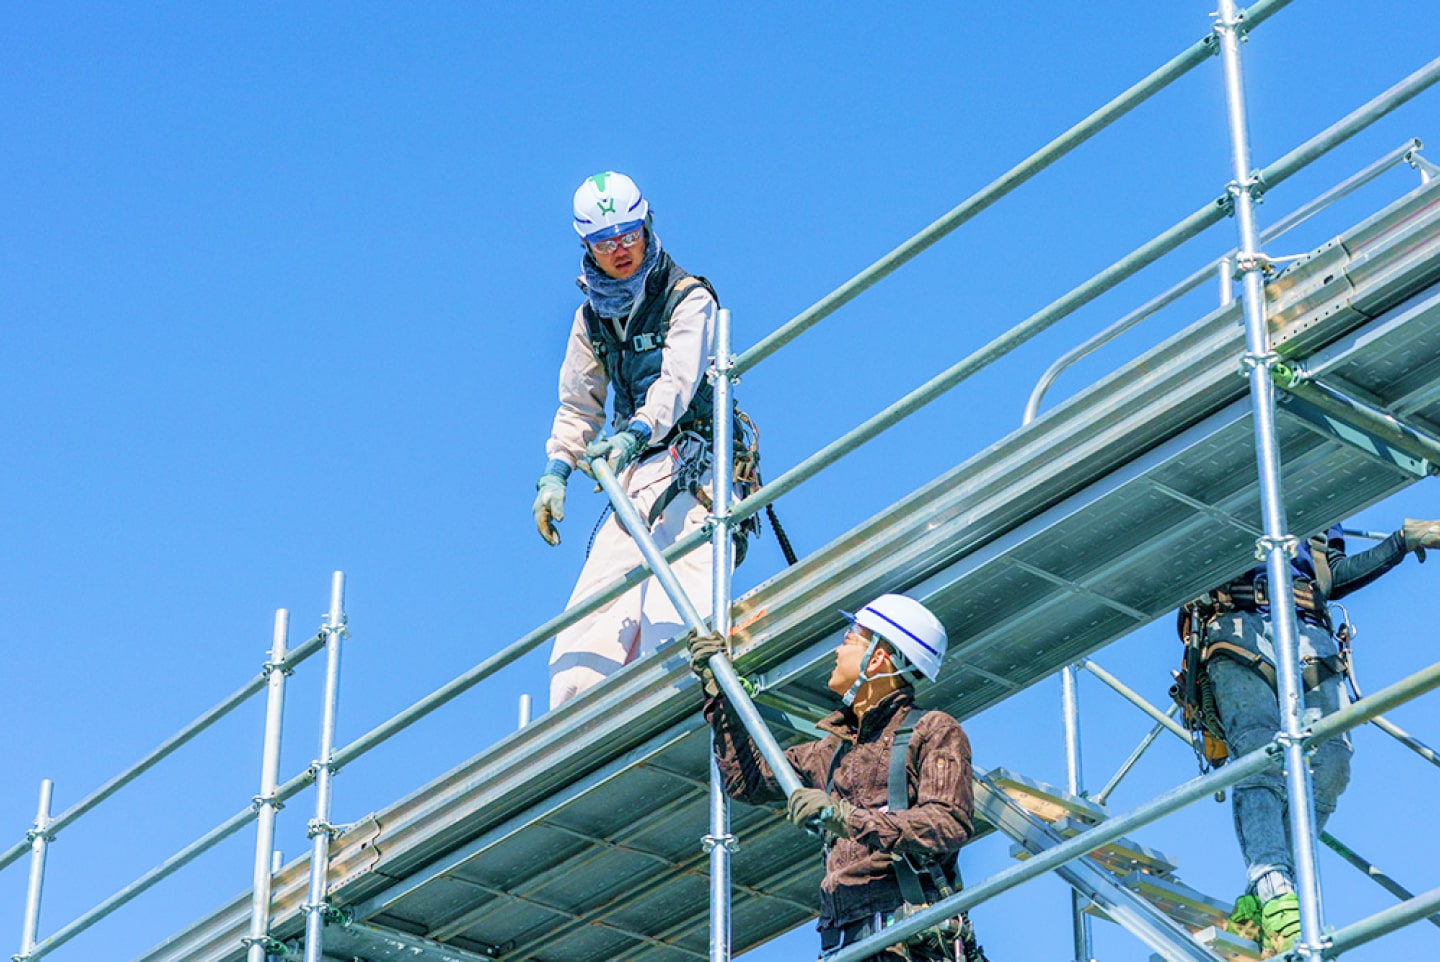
(1280, 918)
(1244, 921)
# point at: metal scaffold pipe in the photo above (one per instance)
(1180, 65)
(1222, 268)
(1277, 545)
(164, 749)
(266, 804)
(1075, 785)
(39, 846)
(718, 839)
(1057, 310)
(724, 672)
(320, 829)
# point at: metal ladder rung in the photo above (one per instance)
(1227, 944)
(1046, 802)
(1190, 908)
(1122, 856)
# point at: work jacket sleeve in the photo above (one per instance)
(582, 397)
(941, 817)
(689, 342)
(744, 771)
(1353, 572)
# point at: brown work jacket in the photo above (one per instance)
(859, 870)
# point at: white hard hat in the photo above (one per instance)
(608, 204)
(909, 627)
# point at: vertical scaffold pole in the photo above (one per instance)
(258, 944)
(718, 841)
(1074, 784)
(1277, 544)
(320, 829)
(39, 846)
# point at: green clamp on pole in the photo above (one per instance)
(724, 672)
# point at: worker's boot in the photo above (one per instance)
(1280, 918)
(1245, 919)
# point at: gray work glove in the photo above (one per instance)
(811, 808)
(1420, 535)
(702, 649)
(619, 449)
(550, 500)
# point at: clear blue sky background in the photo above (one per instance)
(283, 289)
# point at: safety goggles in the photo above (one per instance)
(626, 241)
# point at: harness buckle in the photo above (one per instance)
(647, 342)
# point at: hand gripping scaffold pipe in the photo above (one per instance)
(725, 676)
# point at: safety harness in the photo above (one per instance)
(633, 363)
(954, 935)
(1192, 689)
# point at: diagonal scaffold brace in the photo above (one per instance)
(724, 672)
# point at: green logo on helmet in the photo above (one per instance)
(599, 181)
(600, 205)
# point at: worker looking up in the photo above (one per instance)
(644, 335)
(1232, 654)
(889, 784)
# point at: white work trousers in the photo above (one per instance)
(637, 622)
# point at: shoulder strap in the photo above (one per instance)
(1320, 561)
(898, 791)
(840, 752)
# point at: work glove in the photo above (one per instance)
(550, 500)
(811, 808)
(702, 648)
(619, 449)
(1420, 535)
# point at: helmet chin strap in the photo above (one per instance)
(849, 698)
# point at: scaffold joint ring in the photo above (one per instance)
(708, 842)
(260, 801)
(1265, 544)
(318, 826)
(283, 667)
(1245, 263)
(1267, 360)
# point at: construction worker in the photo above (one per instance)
(1230, 633)
(644, 335)
(889, 784)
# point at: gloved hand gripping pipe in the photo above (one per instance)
(724, 672)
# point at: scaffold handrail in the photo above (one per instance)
(1400, 155)
(1137, 94)
(296, 657)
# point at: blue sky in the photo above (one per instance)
(284, 289)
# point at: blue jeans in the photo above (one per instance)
(1250, 713)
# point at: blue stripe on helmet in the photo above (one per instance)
(902, 629)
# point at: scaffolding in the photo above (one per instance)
(1308, 339)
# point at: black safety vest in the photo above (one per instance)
(632, 363)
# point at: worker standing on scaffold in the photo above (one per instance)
(644, 333)
(1227, 687)
(889, 784)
